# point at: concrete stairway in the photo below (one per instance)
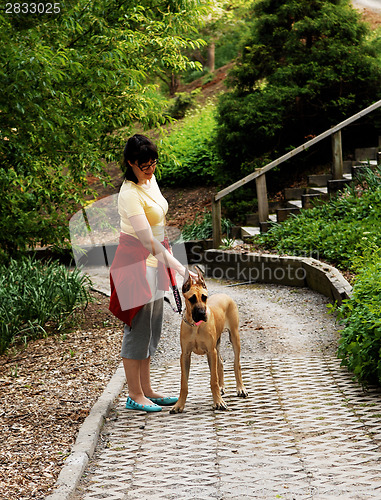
(320, 188)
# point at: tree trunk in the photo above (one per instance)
(173, 86)
(211, 56)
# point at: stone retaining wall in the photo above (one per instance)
(282, 270)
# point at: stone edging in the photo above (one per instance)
(282, 270)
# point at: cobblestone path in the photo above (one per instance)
(306, 431)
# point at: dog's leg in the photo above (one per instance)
(219, 403)
(220, 369)
(236, 342)
(185, 361)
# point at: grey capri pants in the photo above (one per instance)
(141, 339)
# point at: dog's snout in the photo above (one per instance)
(199, 314)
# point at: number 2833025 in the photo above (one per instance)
(32, 8)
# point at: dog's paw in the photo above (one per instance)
(242, 393)
(176, 409)
(220, 406)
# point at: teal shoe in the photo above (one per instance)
(133, 405)
(164, 401)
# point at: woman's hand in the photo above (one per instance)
(143, 231)
(188, 274)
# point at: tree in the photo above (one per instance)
(224, 26)
(73, 83)
(306, 65)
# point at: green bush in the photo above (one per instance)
(37, 297)
(240, 203)
(180, 104)
(360, 343)
(188, 157)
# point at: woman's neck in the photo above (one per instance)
(145, 183)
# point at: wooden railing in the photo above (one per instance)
(260, 174)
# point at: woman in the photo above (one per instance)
(139, 271)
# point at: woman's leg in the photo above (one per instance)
(136, 371)
(140, 342)
(145, 379)
(139, 380)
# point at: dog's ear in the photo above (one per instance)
(187, 285)
(200, 276)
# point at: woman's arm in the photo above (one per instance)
(144, 233)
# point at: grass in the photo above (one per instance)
(37, 298)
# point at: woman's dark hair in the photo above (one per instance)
(138, 148)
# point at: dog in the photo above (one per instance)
(204, 319)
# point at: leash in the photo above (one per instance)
(176, 293)
(174, 309)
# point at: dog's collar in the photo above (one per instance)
(188, 322)
(193, 324)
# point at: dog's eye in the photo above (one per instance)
(204, 297)
(193, 299)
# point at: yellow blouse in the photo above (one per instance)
(138, 200)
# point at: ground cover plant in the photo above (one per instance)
(346, 232)
(187, 154)
(37, 298)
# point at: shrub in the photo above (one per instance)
(37, 297)
(360, 343)
(188, 156)
(180, 104)
(304, 66)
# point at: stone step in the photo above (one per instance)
(335, 185)
(366, 163)
(252, 220)
(311, 199)
(319, 180)
(257, 227)
(347, 166)
(293, 193)
(294, 203)
(317, 190)
(284, 213)
(248, 231)
(363, 154)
